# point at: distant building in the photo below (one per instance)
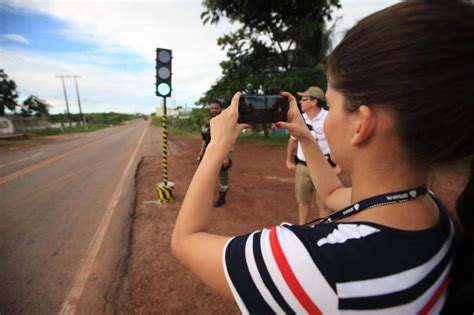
(171, 112)
(185, 113)
(6, 126)
(177, 112)
(24, 124)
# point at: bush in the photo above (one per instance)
(189, 125)
(94, 118)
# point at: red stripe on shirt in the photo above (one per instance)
(442, 287)
(289, 276)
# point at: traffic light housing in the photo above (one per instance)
(163, 72)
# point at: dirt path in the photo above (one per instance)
(261, 195)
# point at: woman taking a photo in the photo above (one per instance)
(401, 102)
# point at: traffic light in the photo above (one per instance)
(163, 72)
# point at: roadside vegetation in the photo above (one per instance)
(95, 121)
(15, 143)
(110, 118)
(35, 109)
(191, 126)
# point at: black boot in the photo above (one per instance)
(220, 200)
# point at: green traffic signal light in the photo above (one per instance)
(163, 72)
(163, 89)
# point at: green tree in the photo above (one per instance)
(35, 106)
(8, 94)
(280, 45)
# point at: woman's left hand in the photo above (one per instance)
(295, 124)
(224, 127)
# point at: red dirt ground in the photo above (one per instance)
(261, 194)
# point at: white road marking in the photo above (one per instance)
(72, 299)
(22, 160)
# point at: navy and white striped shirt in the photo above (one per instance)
(341, 268)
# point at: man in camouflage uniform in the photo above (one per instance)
(215, 109)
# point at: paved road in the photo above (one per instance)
(53, 201)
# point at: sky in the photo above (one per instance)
(111, 45)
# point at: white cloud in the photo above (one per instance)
(352, 11)
(15, 38)
(138, 28)
(131, 28)
(100, 88)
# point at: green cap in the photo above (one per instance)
(314, 92)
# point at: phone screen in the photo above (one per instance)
(258, 109)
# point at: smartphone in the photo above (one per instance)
(260, 109)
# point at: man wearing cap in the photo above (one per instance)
(312, 104)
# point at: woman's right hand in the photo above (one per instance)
(295, 124)
(224, 127)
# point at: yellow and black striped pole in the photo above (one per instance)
(165, 188)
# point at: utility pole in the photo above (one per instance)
(79, 101)
(84, 122)
(65, 97)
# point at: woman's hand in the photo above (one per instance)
(224, 127)
(295, 124)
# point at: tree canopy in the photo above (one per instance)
(279, 45)
(8, 93)
(35, 106)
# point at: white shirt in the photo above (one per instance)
(318, 133)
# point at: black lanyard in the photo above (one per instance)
(376, 201)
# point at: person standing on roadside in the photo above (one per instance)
(312, 104)
(392, 248)
(215, 109)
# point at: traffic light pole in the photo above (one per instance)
(165, 188)
(163, 89)
(165, 142)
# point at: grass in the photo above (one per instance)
(175, 130)
(182, 132)
(14, 143)
(278, 140)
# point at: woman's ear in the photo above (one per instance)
(364, 123)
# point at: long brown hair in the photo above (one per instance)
(416, 60)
